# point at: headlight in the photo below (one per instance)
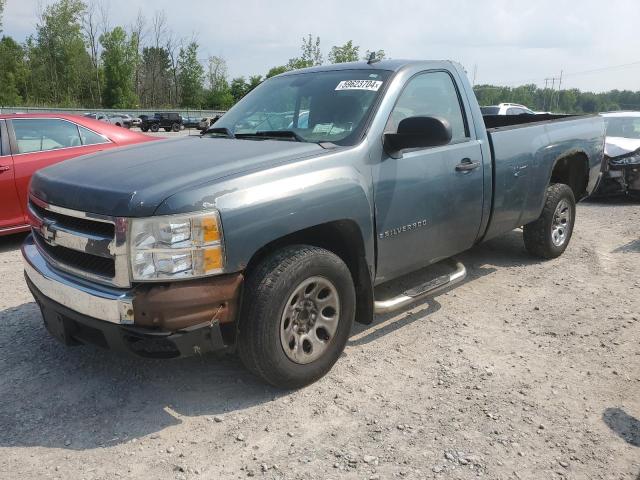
(176, 246)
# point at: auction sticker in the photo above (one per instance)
(372, 85)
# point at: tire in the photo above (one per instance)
(155, 127)
(549, 236)
(272, 288)
(175, 127)
(144, 129)
(118, 125)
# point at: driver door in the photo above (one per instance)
(427, 207)
(12, 213)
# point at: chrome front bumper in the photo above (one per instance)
(87, 298)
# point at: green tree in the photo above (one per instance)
(276, 71)
(218, 95)
(311, 50)
(220, 98)
(13, 72)
(563, 101)
(311, 55)
(217, 73)
(254, 81)
(345, 53)
(190, 76)
(119, 60)
(155, 77)
(378, 55)
(60, 66)
(239, 88)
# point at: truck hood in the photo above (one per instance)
(618, 146)
(133, 181)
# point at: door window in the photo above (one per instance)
(431, 94)
(41, 134)
(91, 138)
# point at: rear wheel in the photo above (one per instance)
(549, 235)
(297, 315)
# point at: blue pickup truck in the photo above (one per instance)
(266, 235)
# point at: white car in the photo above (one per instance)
(507, 109)
(118, 119)
(622, 154)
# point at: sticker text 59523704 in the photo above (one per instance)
(372, 85)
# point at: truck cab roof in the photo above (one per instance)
(390, 65)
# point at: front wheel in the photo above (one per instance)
(549, 236)
(175, 127)
(297, 315)
(155, 127)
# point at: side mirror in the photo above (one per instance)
(417, 132)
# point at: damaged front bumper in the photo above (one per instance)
(621, 175)
(159, 321)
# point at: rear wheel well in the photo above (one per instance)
(344, 238)
(572, 170)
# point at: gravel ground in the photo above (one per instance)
(528, 370)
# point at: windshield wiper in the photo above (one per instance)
(221, 131)
(273, 134)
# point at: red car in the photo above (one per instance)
(29, 142)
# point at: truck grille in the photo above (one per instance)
(104, 267)
(83, 244)
(80, 224)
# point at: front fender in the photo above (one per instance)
(261, 207)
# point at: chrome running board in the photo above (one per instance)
(429, 288)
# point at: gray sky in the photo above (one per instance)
(511, 42)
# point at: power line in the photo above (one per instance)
(583, 72)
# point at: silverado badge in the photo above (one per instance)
(405, 228)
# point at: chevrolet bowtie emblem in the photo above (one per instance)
(48, 234)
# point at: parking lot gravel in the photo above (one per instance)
(528, 370)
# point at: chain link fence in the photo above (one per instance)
(133, 112)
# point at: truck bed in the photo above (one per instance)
(499, 121)
(524, 150)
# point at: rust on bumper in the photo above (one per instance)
(179, 305)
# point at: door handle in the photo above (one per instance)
(466, 165)
(4, 168)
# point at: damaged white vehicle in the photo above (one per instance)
(621, 172)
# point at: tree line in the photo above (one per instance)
(564, 101)
(75, 58)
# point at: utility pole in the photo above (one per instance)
(544, 94)
(551, 80)
(559, 88)
(475, 72)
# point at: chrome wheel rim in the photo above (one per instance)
(310, 320)
(561, 223)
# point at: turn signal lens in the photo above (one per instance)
(210, 230)
(212, 258)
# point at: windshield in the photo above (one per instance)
(626, 127)
(311, 107)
